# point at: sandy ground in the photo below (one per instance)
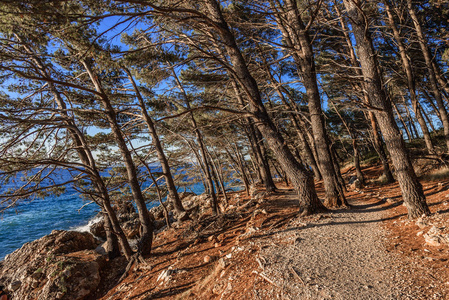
(340, 255)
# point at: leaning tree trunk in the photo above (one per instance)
(171, 187)
(440, 78)
(146, 223)
(411, 122)
(376, 138)
(432, 76)
(358, 169)
(236, 161)
(401, 119)
(411, 189)
(219, 172)
(410, 80)
(112, 226)
(199, 137)
(378, 145)
(305, 147)
(302, 181)
(424, 113)
(297, 38)
(262, 161)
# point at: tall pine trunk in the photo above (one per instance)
(114, 232)
(171, 187)
(411, 188)
(146, 223)
(200, 140)
(257, 146)
(432, 76)
(410, 80)
(376, 138)
(300, 177)
(297, 38)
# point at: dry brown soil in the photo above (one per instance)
(264, 251)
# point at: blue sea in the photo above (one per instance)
(29, 221)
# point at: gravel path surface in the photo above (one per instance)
(339, 255)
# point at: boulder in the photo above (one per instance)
(186, 196)
(158, 211)
(61, 265)
(97, 229)
(131, 227)
(435, 237)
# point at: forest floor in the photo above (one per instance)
(261, 249)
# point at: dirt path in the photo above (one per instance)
(260, 249)
(340, 255)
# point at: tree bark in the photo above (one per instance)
(242, 172)
(219, 173)
(410, 80)
(411, 189)
(171, 187)
(432, 77)
(199, 138)
(358, 169)
(112, 226)
(300, 177)
(257, 143)
(401, 119)
(305, 147)
(297, 38)
(377, 140)
(146, 223)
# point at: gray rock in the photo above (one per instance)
(59, 265)
(97, 229)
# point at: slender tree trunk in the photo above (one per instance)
(219, 172)
(171, 187)
(358, 169)
(430, 101)
(264, 160)
(440, 78)
(297, 38)
(146, 223)
(112, 226)
(217, 177)
(412, 191)
(199, 137)
(199, 166)
(428, 120)
(411, 122)
(159, 195)
(410, 80)
(301, 179)
(239, 165)
(340, 179)
(377, 140)
(264, 168)
(255, 167)
(305, 147)
(282, 175)
(432, 77)
(379, 147)
(401, 119)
